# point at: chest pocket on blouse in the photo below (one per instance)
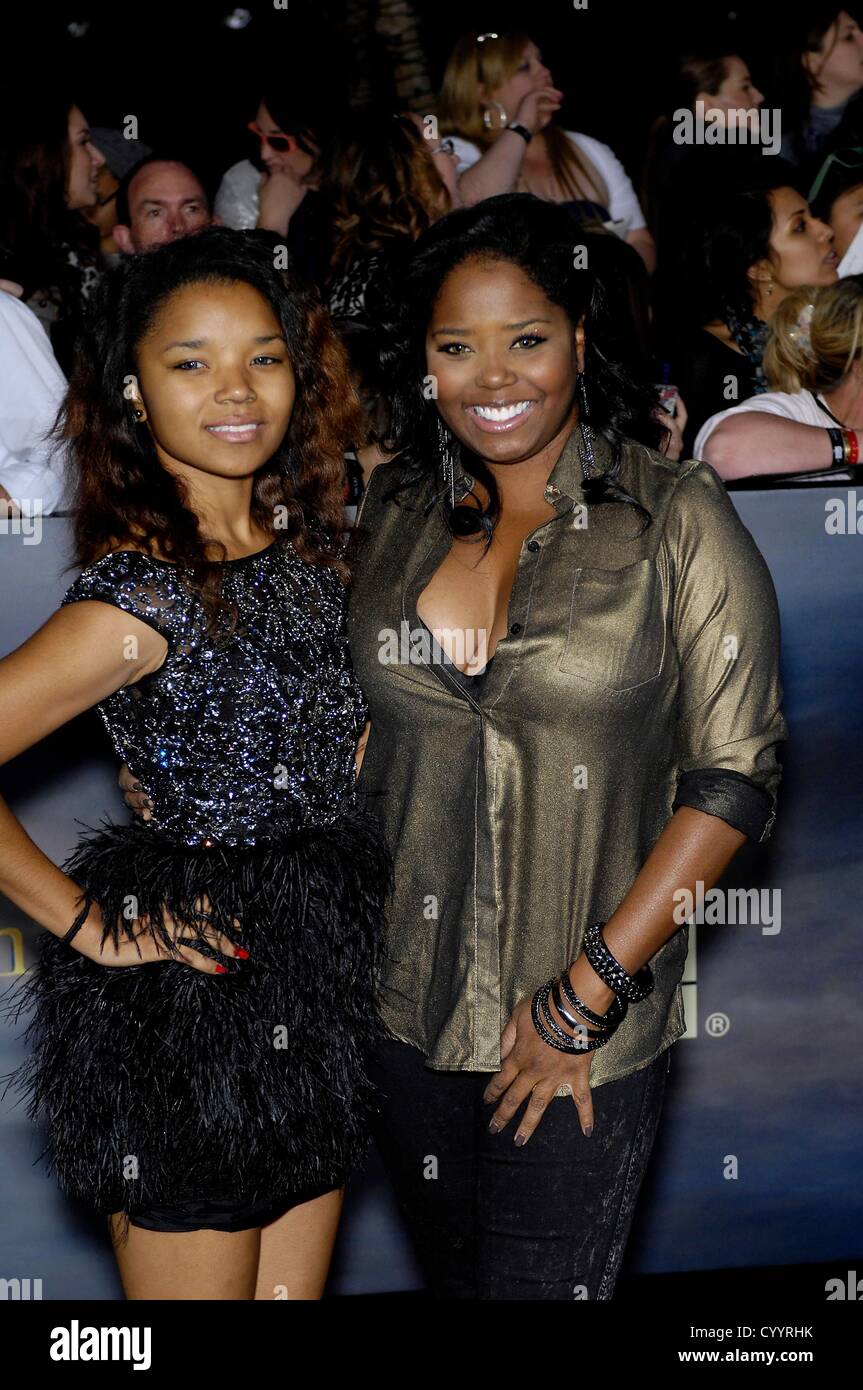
(616, 636)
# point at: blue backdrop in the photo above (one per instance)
(755, 1161)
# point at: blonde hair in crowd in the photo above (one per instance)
(460, 111)
(816, 335)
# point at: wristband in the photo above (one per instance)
(852, 448)
(837, 444)
(521, 130)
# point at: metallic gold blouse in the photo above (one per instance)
(638, 674)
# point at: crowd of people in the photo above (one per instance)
(445, 878)
(700, 250)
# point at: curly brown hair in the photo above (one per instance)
(122, 493)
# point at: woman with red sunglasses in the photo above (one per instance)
(278, 186)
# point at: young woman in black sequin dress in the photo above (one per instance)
(204, 990)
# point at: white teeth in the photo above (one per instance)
(498, 413)
(231, 429)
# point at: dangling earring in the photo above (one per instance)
(586, 432)
(446, 458)
(463, 520)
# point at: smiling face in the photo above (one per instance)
(505, 359)
(530, 74)
(216, 381)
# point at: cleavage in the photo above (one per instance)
(469, 593)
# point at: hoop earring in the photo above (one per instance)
(586, 431)
(486, 116)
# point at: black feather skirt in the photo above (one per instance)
(159, 1084)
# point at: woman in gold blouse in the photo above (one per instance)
(569, 645)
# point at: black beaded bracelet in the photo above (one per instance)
(612, 1019)
(574, 1046)
(632, 987)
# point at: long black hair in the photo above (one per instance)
(731, 233)
(541, 239)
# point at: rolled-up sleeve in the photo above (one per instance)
(727, 635)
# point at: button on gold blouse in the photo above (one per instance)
(638, 673)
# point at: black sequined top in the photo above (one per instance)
(249, 737)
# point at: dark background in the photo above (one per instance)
(193, 83)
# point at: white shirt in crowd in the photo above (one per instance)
(623, 204)
(237, 202)
(800, 406)
(32, 469)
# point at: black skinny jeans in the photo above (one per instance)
(549, 1220)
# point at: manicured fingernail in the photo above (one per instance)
(221, 970)
(520, 1139)
(488, 1100)
(242, 953)
(587, 1131)
(136, 787)
(494, 1127)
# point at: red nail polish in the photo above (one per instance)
(221, 970)
(242, 953)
